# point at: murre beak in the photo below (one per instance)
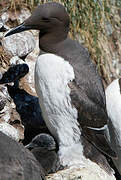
(22, 27)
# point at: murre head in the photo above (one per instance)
(49, 18)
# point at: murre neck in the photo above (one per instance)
(51, 39)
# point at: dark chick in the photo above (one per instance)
(43, 146)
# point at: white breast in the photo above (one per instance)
(52, 75)
(113, 103)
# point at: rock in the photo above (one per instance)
(8, 112)
(109, 29)
(9, 130)
(1, 24)
(20, 44)
(2, 103)
(24, 14)
(91, 172)
(1, 35)
(4, 59)
(28, 81)
(16, 123)
(4, 92)
(16, 60)
(1, 75)
(5, 17)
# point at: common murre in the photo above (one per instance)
(113, 103)
(70, 91)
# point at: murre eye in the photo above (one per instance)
(45, 19)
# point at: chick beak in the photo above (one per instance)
(30, 146)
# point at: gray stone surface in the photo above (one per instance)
(20, 44)
(91, 172)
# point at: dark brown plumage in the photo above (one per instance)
(16, 162)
